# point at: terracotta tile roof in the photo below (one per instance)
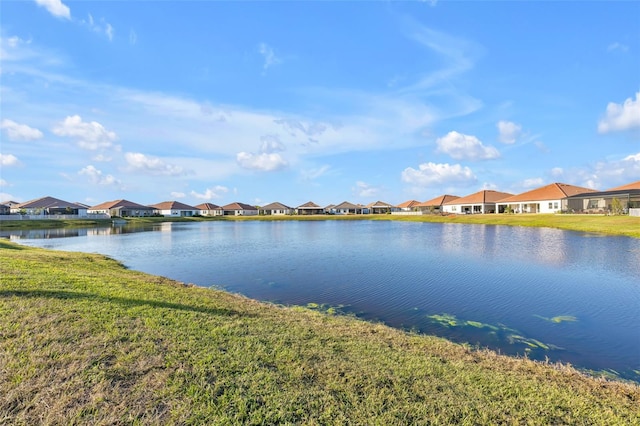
(208, 206)
(309, 205)
(408, 204)
(118, 203)
(438, 201)
(275, 206)
(238, 206)
(632, 185)
(47, 203)
(554, 191)
(480, 197)
(172, 205)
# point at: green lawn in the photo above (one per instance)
(83, 340)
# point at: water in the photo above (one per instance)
(543, 293)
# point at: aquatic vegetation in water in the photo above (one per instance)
(559, 319)
(326, 308)
(501, 331)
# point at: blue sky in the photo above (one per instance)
(204, 101)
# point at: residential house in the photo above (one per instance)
(435, 205)
(546, 199)
(209, 209)
(122, 208)
(409, 206)
(380, 207)
(239, 209)
(276, 209)
(348, 208)
(601, 201)
(484, 201)
(49, 206)
(175, 209)
(5, 209)
(309, 208)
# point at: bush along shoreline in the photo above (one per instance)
(83, 340)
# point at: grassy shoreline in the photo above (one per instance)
(608, 225)
(83, 340)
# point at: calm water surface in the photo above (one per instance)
(568, 296)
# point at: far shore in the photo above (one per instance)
(607, 225)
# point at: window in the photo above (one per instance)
(550, 206)
(555, 205)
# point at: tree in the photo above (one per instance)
(617, 207)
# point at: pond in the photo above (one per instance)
(544, 293)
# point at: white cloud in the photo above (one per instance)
(532, 183)
(56, 8)
(152, 165)
(311, 174)
(178, 194)
(621, 117)
(4, 196)
(8, 160)
(216, 192)
(95, 176)
(465, 147)
(269, 56)
(610, 173)
(489, 186)
(133, 37)
(432, 174)
(101, 158)
(617, 47)
(4, 183)
(508, 132)
(458, 54)
(557, 172)
(365, 190)
(17, 131)
(15, 41)
(263, 162)
(271, 144)
(99, 27)
(91, 136)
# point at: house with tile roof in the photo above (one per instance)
(175, 209)
(48, 206)
(550, 198)
(602, 201)
(121, 208)
(309, 208)
(346, 207)
(239, 209)
(276, 208)
(484, 201)
(209, 209)
(435, 204)
(409, 206)
(380, 207)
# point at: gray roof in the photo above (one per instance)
(48, 203)
(275, 206)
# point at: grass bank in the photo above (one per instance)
(83, 340)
